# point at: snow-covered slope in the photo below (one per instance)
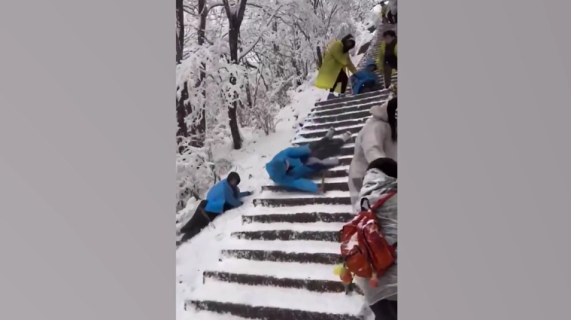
(273, 257)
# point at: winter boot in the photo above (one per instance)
(331, 96)
(330, 133)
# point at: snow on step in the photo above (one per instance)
(310, 123)
(309, 118)
(278, 269)
(285, 246)
(285, 298)
(334, 180)
(300, 195)
(339, 135)
(299, 209)
(313, 226)
(327, 180)
(364, 106)
(339, 129)
(208, 315)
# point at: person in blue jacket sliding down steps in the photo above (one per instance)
(365, 80)
(290, 167)
(223, 196)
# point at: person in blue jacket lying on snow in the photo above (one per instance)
(223, 196)
(365, 80)
(290, 167)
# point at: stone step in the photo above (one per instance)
(288, 235)
(325, 126)
(321, 134)
(303, 217)
(266, 313)
(329, 186)
(344, 99)
(295, 201)
(282, 256)
(365, 98)
(331, 174)
(346, 150)
(290, 283)
(366, 104)
(341, 117)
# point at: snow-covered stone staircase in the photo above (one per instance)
(281, 265)
(373, 51)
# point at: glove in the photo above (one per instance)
(247, 193)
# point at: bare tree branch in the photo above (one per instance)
(247, 50)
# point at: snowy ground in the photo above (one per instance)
(203, 251)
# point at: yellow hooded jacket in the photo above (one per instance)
(333, 62)
(381, 56)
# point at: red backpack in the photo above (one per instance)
(364, 248)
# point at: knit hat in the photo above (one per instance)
(348, 42)
(233, 176)
(387, 165)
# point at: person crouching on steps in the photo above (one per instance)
(365, 80)
(223, 196)
(332, 71)
(291, 167)
(381, 178)
(377, 139)
(387, 57)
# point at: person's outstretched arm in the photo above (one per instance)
(243, 194)
(229, 197)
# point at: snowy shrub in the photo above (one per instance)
(276, 53)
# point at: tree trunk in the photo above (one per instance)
(235, 18)
(234, 130)
(180, 108)
(198, 129)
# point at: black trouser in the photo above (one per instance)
(199, 221)
(389, 65)
(385, 310)
(392, 17)
(326, 148)
(342, 77)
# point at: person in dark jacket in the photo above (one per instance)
(365, 80)
(223, 196)
(387, 58)
(381, 178)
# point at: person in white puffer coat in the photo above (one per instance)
(377, 139)
(381, 178)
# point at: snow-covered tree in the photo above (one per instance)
(237, 62)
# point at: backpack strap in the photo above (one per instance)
(365, 204)
(384, 198)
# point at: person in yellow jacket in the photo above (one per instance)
(387, 57)
(332, 71)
